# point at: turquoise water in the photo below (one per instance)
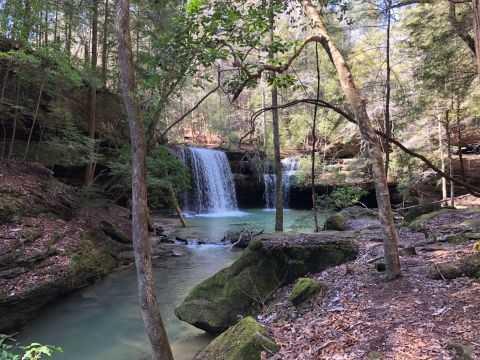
(103, 322)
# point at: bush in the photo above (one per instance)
(9, 349)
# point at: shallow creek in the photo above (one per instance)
(103, 322)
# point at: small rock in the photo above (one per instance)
(408, 251)
(305, 289)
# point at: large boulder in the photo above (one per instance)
(242, 288)
(245, 341)
(420, 210)
(352, 218)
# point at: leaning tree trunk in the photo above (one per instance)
(369, 138)
(146, 291)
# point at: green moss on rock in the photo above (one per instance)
(305, 289)
(336, 222)
(476, 246)
(242, 288)
(245, 341)
(407, 251)
(420, 210)
(418, 224)
(468, 265)
(463, 351)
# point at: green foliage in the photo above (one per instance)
(341, 198)
(166, 176)
(9, 349)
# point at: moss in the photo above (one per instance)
(305, 289)
(463, 351)
(420, 210)
(246, 340)
(455, 239)
(375, 355)
(476, 246)
(7, 212)
(31, 236)
(91, 261)
(245, 286)
(468, 265)
(417, 224)
(472, 235)
(336, 222)
(408, 251)
(115, 233)
(255, 245)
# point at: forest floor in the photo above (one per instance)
(363, 317)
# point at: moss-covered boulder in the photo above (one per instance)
(246, 340)
(305, 289)
(352, 218)
(468, 265)
(420, 210)
(242, 288)
(419, 223)
(407, 251)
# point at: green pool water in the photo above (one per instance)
(103, 322)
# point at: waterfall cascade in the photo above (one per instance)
(289, 168)
(212, 180)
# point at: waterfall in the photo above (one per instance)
(289, 168)
(212, 180)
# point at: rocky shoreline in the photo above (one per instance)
(345, 310)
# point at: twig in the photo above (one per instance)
(438, 269)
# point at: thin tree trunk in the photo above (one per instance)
(314, 143)
(449, 154)
(105, 45)
(388, 125)
(14, 128)
(369, 138)
(2, 95)
(146, 291)
(93, 90)
(264, 120)
(442, 160)
(276, 146)
(33, 122)
(476, 30)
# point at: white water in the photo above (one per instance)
(289, 168)
(212, 182)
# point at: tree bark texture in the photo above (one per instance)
(369, 139)
(143, 262)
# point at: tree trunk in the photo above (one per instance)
(449, 154)
(105, 45)
(33, 122)
(93, 90)
(476, 30)
(369, 138)
(442, 160)
(314, 144)
(15, 117)
(388, 124)
(146, 291)
(276, 147)
(264, 122)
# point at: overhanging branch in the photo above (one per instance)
(470, 188)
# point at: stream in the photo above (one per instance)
(103, 322)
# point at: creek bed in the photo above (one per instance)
(103, 322)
